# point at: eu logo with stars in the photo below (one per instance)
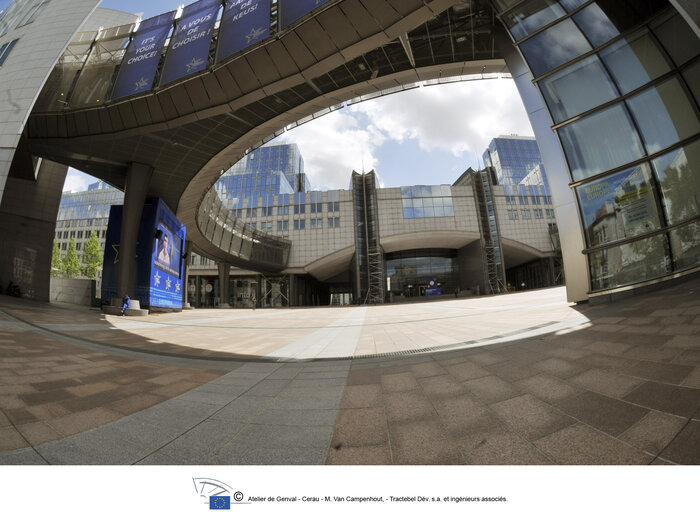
(220, 503)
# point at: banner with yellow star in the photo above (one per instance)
(158, 276)
(190, 42)
(244, 23)
(138, 68)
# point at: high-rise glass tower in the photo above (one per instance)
(516, 160)
(267, 171)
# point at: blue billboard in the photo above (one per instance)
(138, 68)
(158, 279)
(188, 50)
(292, 10)
(244, 23)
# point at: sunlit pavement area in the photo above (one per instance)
(523, 378)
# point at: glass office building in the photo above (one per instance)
(514, 158)
(82, 212)
(622, 91)
(277, 169)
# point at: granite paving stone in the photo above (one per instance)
(506, 448)
(547, 388)
(236, 453)
(201, 442)
(362, 396)
(360, 427)
(399, 382)
(606, 382)
(359, 455)
(581, 444)
(558, 397)
(604, 413)
(676, 400)
(285, 435)
(662, 372)
(22, 457)
(491, 389)
(685, 447)
(407, 406)
(653, 432)
(423, 442)
(531, 417)
(441, 385)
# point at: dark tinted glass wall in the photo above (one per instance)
(621, 80)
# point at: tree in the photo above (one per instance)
(92, 256)
(56, 265)
(71, 265)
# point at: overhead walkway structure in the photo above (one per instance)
(191, 131)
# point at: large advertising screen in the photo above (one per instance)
(157, 280)
(244, 23)
(167, 250)
(189, 45)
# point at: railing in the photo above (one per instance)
(230, 234)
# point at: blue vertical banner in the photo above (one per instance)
(292, 10)
(158, 274)
(244, 23)
(189, 45)
(138, 68)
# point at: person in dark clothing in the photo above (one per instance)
(126, 301)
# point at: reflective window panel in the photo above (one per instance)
(630, 263)
(678, 173)
(619, 206)
(599, 142)
(553, 47)
(577, 88)
(570, 5)
(665, 115)
(692, 78)
(596, 25)
(530, 16)
(685, 246)
(625, 14)
(634, 61)
(678, 38)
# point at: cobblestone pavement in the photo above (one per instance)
(517, 379)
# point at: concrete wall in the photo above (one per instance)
(73, 291)
(27, 67)
(27, 226)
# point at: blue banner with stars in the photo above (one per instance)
(158, 277)
(244, 23)
(189, 46)
(166, 261)
(138, 68)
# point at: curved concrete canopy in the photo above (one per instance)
(516, 253)
(446, 239)
(331, 264)
(190, 131)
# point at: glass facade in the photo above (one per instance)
(621, 81)
(517, 161)
(427, 201)
(422, 272)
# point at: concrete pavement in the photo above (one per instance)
(523, 378)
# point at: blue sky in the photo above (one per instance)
(429, 135)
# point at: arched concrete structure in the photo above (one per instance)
(190, 131)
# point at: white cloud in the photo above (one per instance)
(458, 118)
(333, 146)
(77, 181)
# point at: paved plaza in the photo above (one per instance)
(523, 378)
